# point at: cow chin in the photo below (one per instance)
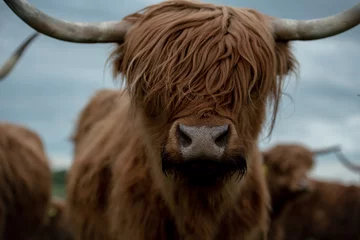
(203, 171)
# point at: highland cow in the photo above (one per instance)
(330, 211)
(286, 168)
(177, 157)
(14, 58)
(25, 182)
(56, 225)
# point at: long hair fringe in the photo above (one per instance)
(214, 57)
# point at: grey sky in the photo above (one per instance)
(54, 79)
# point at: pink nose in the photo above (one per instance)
(202, 141)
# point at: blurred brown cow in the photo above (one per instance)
(330, 212)
(25, 182)
(304, 208)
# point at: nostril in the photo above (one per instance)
(222, 139)
(183, 138)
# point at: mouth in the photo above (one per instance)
(203, 171)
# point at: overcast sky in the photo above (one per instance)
(54, 79)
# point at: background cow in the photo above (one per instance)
(331, 211)
(14, 58)
(287, 167)
(25, 182)
(304, 208)
(167, 162)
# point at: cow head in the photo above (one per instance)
(199, 74)
(287, 168)
(201, 86)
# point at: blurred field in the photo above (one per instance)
(59, 183)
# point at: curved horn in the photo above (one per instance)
(326, 150)
(14, 58)
(289, 29)
(103, 32)
(349, 165)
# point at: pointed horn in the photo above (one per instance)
(289, 29)
(349, 165)
(14, 58)
(326, 150)
(102, 32)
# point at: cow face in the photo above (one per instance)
(201, 76)
(203, 150)
(287, 171)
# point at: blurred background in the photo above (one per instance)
(54, 80)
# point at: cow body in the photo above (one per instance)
(25, 182)
(330, 212)
(304, 208)
(120, 172)
(176, 155)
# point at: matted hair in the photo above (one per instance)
(215, 57)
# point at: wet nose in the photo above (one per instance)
(202, 141)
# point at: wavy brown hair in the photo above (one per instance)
(181, 59)
(215, 57)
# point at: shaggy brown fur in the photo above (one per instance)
(304, 208)
(215, 58)
(56, 226)
(101, 105)
(330, 212)
(286, 167)
(25, 182)
(184, 63)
